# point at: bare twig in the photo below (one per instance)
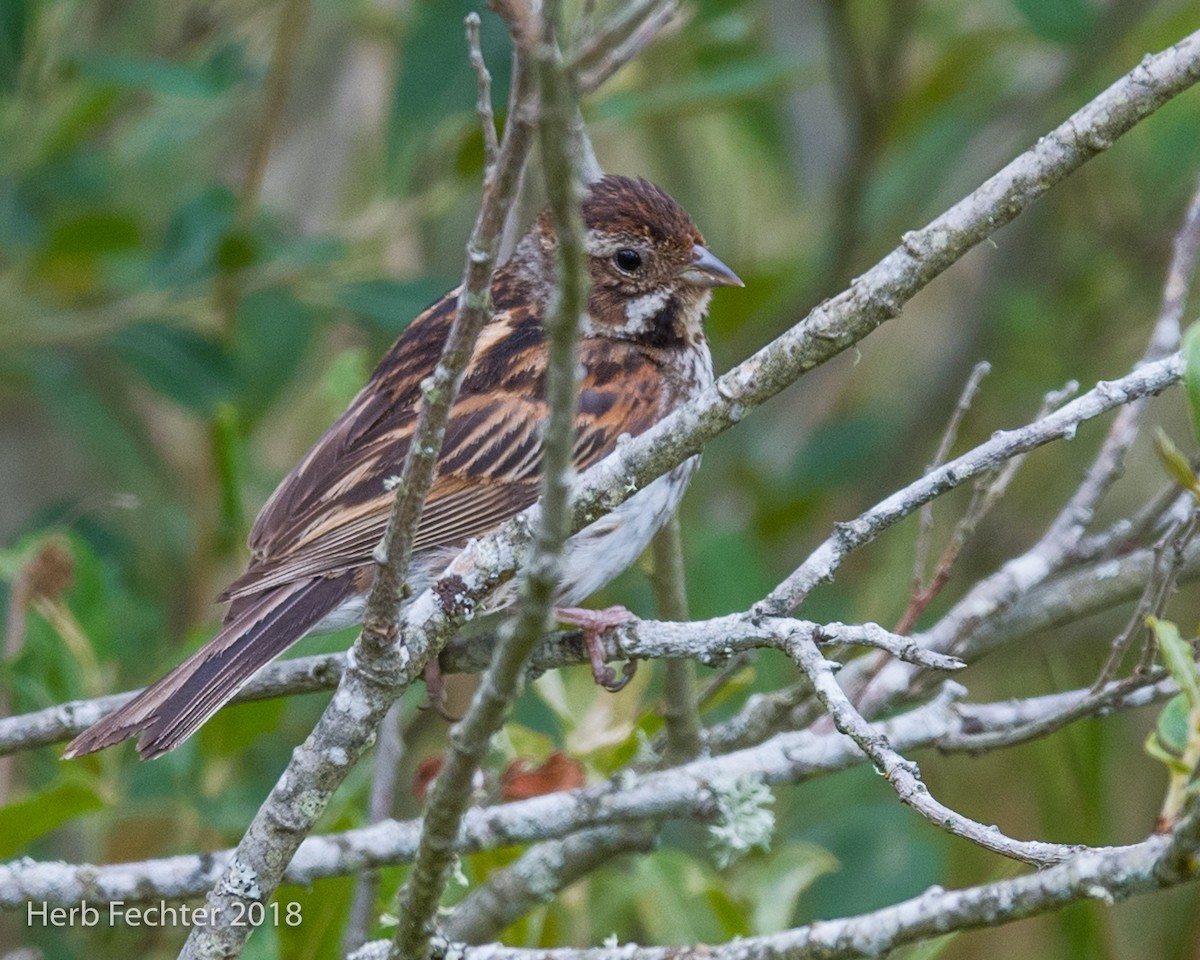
(680, 711)
(1062, 539)
(1103, 875)
(618, 40)
(708, 640)
(788, 757)
(903, 775)
(1004, 445)
(1145, 689)
(487, 119)
(923, 594)
(1071, 523)
(389, 751)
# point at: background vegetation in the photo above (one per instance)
(182, 312)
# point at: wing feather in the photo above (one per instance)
(330, 512)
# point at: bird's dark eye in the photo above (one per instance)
(628, 260)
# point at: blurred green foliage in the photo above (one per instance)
(172, 339)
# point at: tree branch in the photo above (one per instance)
(1106, 875)
(1004, 445)
(537, 876)
(904, 776)
(680, 710)
(681, 792)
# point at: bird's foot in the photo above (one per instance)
(592, 624)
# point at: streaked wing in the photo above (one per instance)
(328, 515)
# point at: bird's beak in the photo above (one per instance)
(706, 270)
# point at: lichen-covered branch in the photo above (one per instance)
(680, 792)
(1004, 445)
(1105, 875)
(903, 775)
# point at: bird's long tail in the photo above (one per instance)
(171, 710)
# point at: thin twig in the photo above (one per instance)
(1113, 697)
(1062, 540)
(389, 752)
(537, 876)
(1093, 875)
(483, 105)
(680, 711)
(786, 758)
(903, 775)
(921, 594)
(618, 40)
(1004, 445)
(711, 641)
(1069, 526)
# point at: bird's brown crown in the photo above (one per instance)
(640, 212)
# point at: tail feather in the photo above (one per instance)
(171, 710)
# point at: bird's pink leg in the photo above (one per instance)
(592, 624)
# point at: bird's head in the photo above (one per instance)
(651, 273)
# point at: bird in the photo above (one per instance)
(642, 353)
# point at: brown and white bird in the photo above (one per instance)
(643, 353)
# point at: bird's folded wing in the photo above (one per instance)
(329, 514)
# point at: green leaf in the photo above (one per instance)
(62, 385)
(680, 899)
(192, 242)
(1191, 373)
(1177, 657)
(1174, 724)
(1059, 21)
(726, 84)
(272, 333)
(929, 950)
(311, 919)
(435, 83)
(89, 234)
(14, 19)
(1156, 749)
(180, 364)
(1175, 463)
(40, 813)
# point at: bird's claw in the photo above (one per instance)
(592, 624)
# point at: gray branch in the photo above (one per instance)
(1105, 875)
(820, 566)
(903, 775)
(681, 792)
(378, 668)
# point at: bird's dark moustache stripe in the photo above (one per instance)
(665, 330)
